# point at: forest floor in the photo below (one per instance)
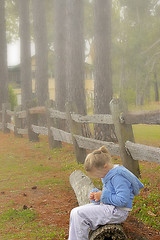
(36, 197)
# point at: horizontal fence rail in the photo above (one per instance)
(37, 110)
(21, 114)
(40, 130)
(57, 114)
(62, 136)
(98, 118)
(23, 131)
(143, 152)
(92, 144)
(143, 117)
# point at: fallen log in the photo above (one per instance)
(82, 185)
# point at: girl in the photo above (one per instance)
(109, 206)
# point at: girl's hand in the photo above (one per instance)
(91, 197)
(97, 196)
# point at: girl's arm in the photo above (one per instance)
(121, 195)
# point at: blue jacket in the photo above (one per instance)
(119, 187)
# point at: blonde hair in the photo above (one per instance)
(97, 159)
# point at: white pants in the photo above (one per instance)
(90, 216)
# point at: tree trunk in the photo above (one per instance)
(75, 55)
(24, 32)
(41, 47)
(103, 70)
(60, 53)
(3, 57)
(60, 57)
(122, 86)
(156, 90)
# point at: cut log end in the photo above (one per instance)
(108, 232)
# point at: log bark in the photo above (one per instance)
(108, 232)
(82, 185)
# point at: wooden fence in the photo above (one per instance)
(26, 122)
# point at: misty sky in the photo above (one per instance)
(13, 53)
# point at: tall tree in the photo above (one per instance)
(41, 47)
(12, 20)
(3, 57)
(60, 53)
(75, 55)
(103, 69)
(132, 42)
(25, 43)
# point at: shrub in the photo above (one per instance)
(12, 97)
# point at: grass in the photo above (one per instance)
(147, 134)
(23, 216)
(50, 182)
(21, 224)
(146, 208)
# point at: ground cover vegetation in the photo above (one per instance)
(36, 197)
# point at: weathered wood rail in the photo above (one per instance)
(143, 117)
(11, 121)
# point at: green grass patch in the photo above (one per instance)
(23, 224)
(50, 182)
(41, 168)
(147, 134)
(147, 209)
(25, 216)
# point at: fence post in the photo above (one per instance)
(5, 117)
(18, 121)
(51, 122)
(75, 129)
(32, 119)
(124, 133)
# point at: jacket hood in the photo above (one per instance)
(136, 184)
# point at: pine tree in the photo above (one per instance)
(25, 43)
(3, 57)
(41, 47)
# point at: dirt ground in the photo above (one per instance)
(54, 206)
(57, 211)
